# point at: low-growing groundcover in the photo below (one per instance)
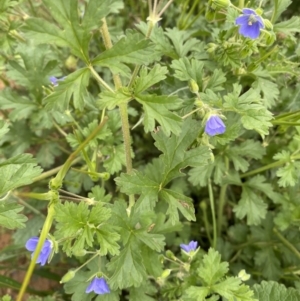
(149, 150)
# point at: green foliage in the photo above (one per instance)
(270, 290)
(74, 85)
(125, 197)
(132, 49)
(17, 171)
(212, 274)
(79, 225)
(10, 217)
(150, 185)
(76, 34)
(254, 115)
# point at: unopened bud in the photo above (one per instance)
(211, 47)
(243, 275)
(193, 86)
(221, 3)
(268, 24)
(67, 277)
(170, 255)
(187, 266)
(259, 11)
(203, 205)
(165, 274)
(71, 63)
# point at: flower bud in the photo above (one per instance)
(187, 267)
(193, 86)
(203, 205)
(71, 63)
(243, 275)
(259, 11)
(170, 255)
(67, 277)
(211, 47)
(268, 24)
(221, 3)
(166, 273)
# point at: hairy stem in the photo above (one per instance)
(123, 111)
(222, 201)
(213, 213)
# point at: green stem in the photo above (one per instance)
(137, 67)
(126, 136)
(274, 12)
(100, 80)
(286, 242)
(222, 201)
(164, 8)
(123, 110)
(89, 260)
(269, 166)
(57, 181)
(261, 169)
(34, 195)
(32, 8)
(285, 123)
(287, 115)
(212, 204)
(188, 16)
(205, 219)
(241, 4)
(52, 172)
(37, 212)
(46, 228)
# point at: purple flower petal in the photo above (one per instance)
(192, 246)
(99, 286)
(46, 250)
(260, 22)
(251, 32)
(241, 20)
(53, 80)
(214, 126)
(32, 243)
(249, 11)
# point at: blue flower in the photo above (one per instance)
(250, 23)
(192, 246)
(54, 80)
(99, 286)
(214, 126)
(46, 250)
